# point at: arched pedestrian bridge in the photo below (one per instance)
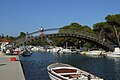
(59, 32)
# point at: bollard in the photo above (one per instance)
(89, 77)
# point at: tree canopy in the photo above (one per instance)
(108, 28)
(113, 20)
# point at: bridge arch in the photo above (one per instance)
(66, 33)
(101, 43)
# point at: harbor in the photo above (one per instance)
(73, 51)
(28, 59)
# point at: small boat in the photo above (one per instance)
(56, 49)
(17, 51)
(93, 52)
(116, 53)
(61, 71)
(113, 55)
(27, 53)
(67, 51)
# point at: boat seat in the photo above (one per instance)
(67, 73)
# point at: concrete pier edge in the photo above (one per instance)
(11, 69)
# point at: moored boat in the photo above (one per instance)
(116, 53)
(27, 53)
(17, 51)
(67, 51)
(61, 71)
(93, 52)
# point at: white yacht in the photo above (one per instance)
(68, 50)
(56, 49)
(116, 53)
(93, 52)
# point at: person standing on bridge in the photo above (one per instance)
(41, 31)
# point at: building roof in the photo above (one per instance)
(4, 40)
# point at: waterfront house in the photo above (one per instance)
(3, 43)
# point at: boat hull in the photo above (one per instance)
(60, 71)
(113, 55)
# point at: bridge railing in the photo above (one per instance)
(72, 31)
(84, 33)
(60, 31)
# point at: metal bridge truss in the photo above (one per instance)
(65, 33)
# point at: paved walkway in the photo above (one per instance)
(10, 70)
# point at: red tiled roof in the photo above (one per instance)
(4, 40)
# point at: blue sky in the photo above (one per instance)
(28, 15)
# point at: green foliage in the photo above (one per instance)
(87, 29)
(38, 42)
(75, 28)
(62, 41)
(103, 27)
(11, 38)
(87, 45)
(2, 35)
(107, 29)
(113, 19)
(22, 34)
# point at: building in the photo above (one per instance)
(3, 43)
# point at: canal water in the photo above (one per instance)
(35, 66)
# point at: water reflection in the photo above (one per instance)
(116, 68)
(35, 66)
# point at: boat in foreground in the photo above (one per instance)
(61, 71)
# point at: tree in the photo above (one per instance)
(22, 34)
(73, 28)
(87, 45)
(2, 35)
(86, 29)
(114, 20)
(103, 29)
(75, 25)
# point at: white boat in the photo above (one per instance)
(116, 53)
(7, 51)
(67, 51)
(17, 51)
(26, 52)
(93, 52)
(56, 49)
(61, 71)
